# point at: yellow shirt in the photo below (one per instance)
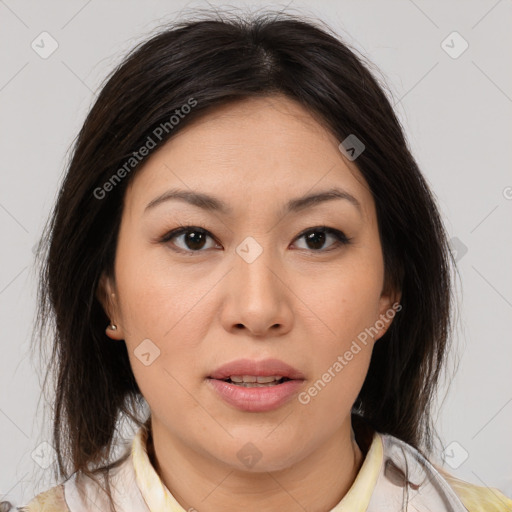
(141, 490)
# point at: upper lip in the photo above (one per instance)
(264, 368)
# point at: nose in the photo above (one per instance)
(257, 297)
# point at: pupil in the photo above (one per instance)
(194, 240)
(318, 239)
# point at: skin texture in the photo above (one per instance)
(296, 303)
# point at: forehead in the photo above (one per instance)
(247, 151)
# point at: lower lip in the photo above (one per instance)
(257, 399)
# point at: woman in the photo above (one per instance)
(244, 242)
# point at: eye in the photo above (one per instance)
(316, 237)
(192, 238)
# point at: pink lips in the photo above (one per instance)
(256, 399)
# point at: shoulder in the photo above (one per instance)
(478, 498)
(51, 500)
(409, 465)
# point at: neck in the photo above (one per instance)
(317, 482)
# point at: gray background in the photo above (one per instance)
(456, 113)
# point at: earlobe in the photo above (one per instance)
(113, 332)
(107, 298)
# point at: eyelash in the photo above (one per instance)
(341, 238)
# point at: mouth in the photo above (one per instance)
(256, 385)
(249, 381)
(249, 371)
(255, 396)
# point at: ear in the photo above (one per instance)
(389, 306)
(107, 297)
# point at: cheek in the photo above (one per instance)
(342, 351)
(160, 309)
(156, 301)
(348, 306)
(347, 298)
(167, 307)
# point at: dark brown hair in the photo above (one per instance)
(215, 60)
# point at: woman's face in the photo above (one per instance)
(261, 281)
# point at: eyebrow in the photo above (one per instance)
(211, 203)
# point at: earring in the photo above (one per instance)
(113, 327)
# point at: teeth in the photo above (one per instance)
(252, 378)
(255, 384)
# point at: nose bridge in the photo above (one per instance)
(256, 297)
(255, 262)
